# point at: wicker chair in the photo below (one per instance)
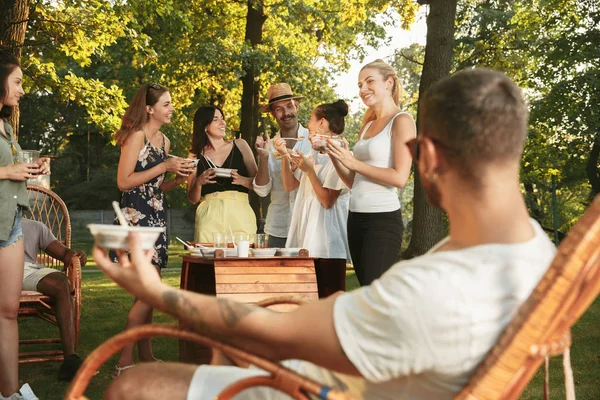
(281, 378)
(48, 208)
(541, 328)
(542, 325)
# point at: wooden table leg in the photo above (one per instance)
(199, 278)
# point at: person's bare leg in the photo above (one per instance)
(152, 381)
(57, 286)
(11, 279)
(137, 316)
(219, 358)
(145, 345)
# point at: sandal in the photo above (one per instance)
(119, 369)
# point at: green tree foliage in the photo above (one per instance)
(551, 49)
(85, 59)
(408, 62)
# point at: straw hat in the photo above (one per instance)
(278, 92)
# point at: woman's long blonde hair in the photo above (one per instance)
(386, 71)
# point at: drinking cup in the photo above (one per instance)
(219, 240)
(261, 240)
(239, 236)
(242, 247)
(229, 240)
(28, 156)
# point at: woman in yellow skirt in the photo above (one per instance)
(223, 179)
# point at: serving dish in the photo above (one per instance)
(210, 252)
(264, 252)
(289, 251)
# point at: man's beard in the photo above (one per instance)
(432, 193)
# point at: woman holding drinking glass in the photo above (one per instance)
(379, 166)
(13, 198)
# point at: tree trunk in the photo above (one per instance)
(592, 166)
(428, 224)
(255, 20)
(13, 25)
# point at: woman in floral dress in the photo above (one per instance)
(141, 177)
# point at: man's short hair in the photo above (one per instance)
(480, 117)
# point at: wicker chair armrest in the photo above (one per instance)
(73, 272)
(73, 267)
(553, 347)
(274, 301)
(281, 378)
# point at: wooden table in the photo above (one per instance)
(251, 279)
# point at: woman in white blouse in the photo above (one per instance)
(379, 166)
(321, 205)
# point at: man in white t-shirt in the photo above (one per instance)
(283, 106)
(55, 284)
(420, 330)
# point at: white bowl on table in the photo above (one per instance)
(229, 252)
(196, 251)
(115, 236)
(289, 251)
(265, 252)
(210, 252)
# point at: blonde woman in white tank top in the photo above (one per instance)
(379, 166)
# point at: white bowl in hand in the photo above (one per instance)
(321, 143)
(223, 172)
(116, 236)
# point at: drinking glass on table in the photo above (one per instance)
(240, 236)
(243, 247)
(260, 241)
(219, 240)
(229, 240)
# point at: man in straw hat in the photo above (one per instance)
(283, 106)
(420, 330)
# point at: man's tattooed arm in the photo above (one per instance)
(173, 297)
(231, 311)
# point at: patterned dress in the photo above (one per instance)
(145, 205)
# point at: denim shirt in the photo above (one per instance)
(12, 193)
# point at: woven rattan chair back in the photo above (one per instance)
(280, 378)
(47, 207)
(542, 325)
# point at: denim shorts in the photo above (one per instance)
(16, 232)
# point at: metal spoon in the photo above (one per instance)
(184, 243)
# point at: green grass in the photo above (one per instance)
(104, 313)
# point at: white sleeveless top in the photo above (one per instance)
(366, 195)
